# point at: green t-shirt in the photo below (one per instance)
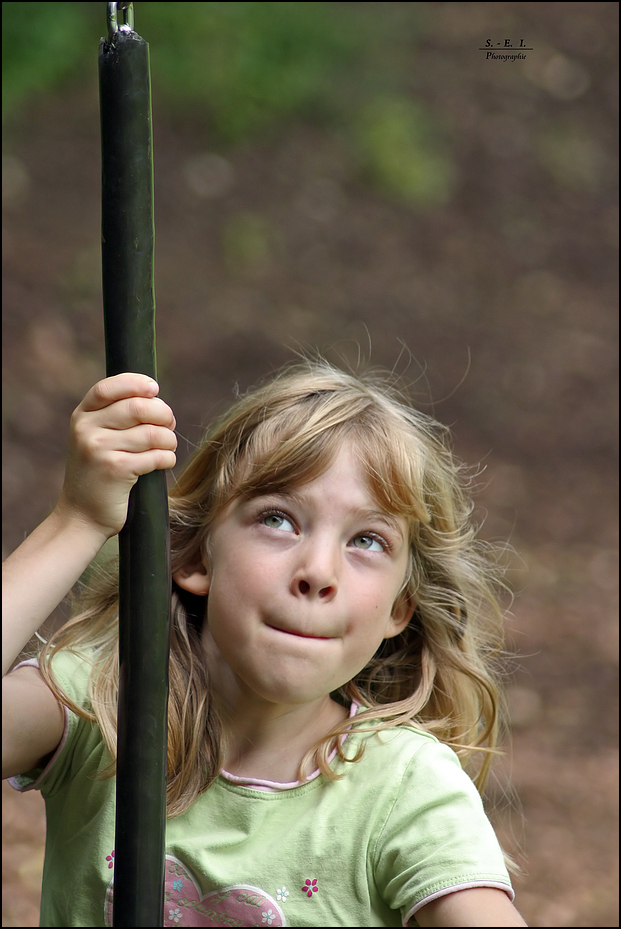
(404, 826)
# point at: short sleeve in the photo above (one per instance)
(80, 737)
(436, 838)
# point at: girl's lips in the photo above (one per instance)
(301, 635)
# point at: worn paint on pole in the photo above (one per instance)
(144, 554)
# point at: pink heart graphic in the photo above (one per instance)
(184, 905)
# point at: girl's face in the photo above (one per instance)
(303, 587)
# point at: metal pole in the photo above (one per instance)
(144, 555)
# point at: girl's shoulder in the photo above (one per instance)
(394, 750)
(409, 733)
(71, 670)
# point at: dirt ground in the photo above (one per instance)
(506, 302)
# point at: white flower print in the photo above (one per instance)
(175, 914)
(281, 894)
(269, 917)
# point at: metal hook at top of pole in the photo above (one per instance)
(127, 9)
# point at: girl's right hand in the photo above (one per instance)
(120, 431)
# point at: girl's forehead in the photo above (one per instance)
(357, 468)
(347, 491)
(343, 470)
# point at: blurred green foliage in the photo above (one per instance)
(246, 242)
(404, 151)
(42, 45)
(251, 64)
(244, 70)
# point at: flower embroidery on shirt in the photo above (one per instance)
(281, 894)
(178, 884)
(175, 915)
(110, 859)
(310, 887)
(269, 917)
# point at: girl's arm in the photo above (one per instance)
(40, 573)
(118, 432)
(479, 906)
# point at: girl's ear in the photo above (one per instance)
(401, 615)
(193, 578)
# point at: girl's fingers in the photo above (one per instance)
(119, 387)
(143, 438)
(126, 467)
(125, 413)
(154, 460)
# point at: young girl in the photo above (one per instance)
(333, 628)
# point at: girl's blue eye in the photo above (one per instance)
(277, 521)
(369, 543)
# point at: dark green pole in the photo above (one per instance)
(144, 555)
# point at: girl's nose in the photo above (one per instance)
(316, 575)
(306, 588)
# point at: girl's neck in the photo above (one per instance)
(272, 748)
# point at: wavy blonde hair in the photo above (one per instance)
(440, 673)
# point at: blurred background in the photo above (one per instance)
(364, 180)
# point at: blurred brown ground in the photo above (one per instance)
(517, 273)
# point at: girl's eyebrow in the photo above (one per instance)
(380, 516)
(361, 514)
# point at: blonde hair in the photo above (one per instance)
(439, 674)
